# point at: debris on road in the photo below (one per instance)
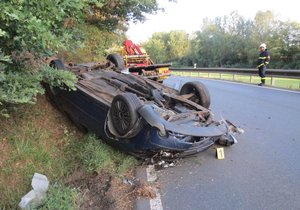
(35, 197)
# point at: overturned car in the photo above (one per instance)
(138, 115)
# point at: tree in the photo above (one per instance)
(287, 41)
(33, 29)
(39, 26)
(213, 43)
(166, 47)
(45, 26)
(264, 22)
(177, 44)
(232, 41)
(156, 48)
(111, 15)
(28, 30)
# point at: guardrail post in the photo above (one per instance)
(234, 77)
(251, 79)
(272, 81)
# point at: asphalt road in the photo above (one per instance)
(262, 171)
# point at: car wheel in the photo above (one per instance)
(117, 60)
(201, 95)
(57, 64)
(123, 112)
(51, 92)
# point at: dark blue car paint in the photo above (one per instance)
(90, 113)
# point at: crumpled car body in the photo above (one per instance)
(138, 115)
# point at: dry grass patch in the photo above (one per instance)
(81, 169)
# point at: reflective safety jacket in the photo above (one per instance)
(263, 58)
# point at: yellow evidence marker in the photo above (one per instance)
(220, 153)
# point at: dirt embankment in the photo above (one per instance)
(38, 138)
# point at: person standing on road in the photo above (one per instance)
(263, 61)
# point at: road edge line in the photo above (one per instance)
(155, 203)
(148, 174)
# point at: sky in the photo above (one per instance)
(187, 15)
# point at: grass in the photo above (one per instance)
(277, 82)
(96, 157)
(38, 138)
(61, 197)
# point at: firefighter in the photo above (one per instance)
(263, 61)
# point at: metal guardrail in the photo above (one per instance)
(270, 72)
(273, 75)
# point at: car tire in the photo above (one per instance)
(123, 112)
(51, 92)
(57, 64)
(201, 94)
(117, 60)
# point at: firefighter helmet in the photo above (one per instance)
(263, 45)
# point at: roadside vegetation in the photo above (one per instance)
(83, 171)
(40, 139)
(33, 31)
(230, 41)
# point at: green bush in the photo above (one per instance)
(19, 87)
(61, 197)
(32, 30)
(39, 26)
(58, 78)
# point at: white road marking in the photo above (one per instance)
(155, 204)
(151, 174)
